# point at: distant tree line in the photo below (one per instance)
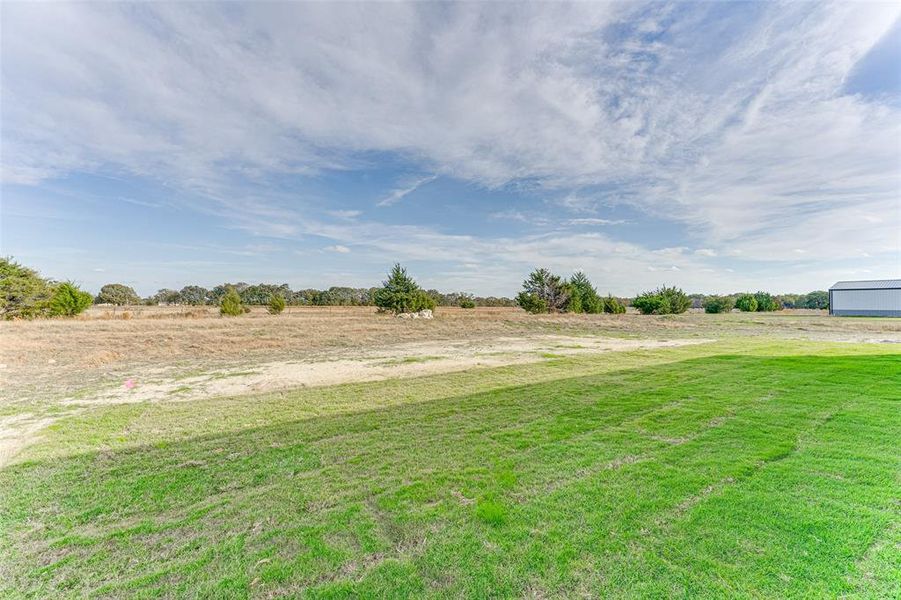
(816, 300)
(762, 301)
(261, 294)
(25, 294)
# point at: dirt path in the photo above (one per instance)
(405, 360)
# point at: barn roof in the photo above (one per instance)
(869, 284)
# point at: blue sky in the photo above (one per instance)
(715, 146)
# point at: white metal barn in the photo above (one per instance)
(876, 298)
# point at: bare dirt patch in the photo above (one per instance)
(403, 360)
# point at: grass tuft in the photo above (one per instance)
(490, 511)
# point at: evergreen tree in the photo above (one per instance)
(401, 294)
(23, 293)
(230, 305)
(543, 289)
(583, 296)
(276, 304)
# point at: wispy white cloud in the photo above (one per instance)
(345, 214)
(595, 221)
(339, 249)
(408, 186)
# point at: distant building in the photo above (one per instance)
(874, 298)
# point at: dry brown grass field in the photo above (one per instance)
(189, 353)
(105, 338)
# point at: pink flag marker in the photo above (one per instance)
(129, 383)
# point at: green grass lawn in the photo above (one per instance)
(740, 469)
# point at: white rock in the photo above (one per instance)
(423, 314)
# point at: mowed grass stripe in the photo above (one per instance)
(669, 479)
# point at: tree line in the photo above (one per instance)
(25, 294)
(761, 301)
(260, 294)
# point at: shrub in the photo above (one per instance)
(467, 303)
(230, 304)
(662, 301)
(401, 294)
(613, 306)
(746, 303)
(118, 294)
(23, 293)
(766, 302)
(67, 300)
(717, 304)
(677, 299)
(276, 304)
(549, 290)
(651, 303)
(531, 303)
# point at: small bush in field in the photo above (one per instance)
(67, 300)
(276, 304)
(230, 305)
(746, 303)
(650, 303)
(662, 301)
(467, 303)
(613, 306)
(717, 304)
